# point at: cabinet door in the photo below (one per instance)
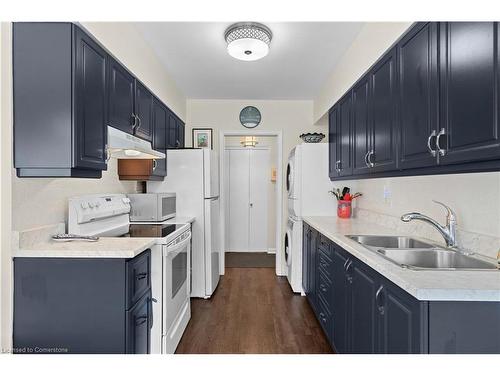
(138, 329)
(469, 91)
(340, 301)
(172, 131)
(180, 134)
(144, 112)
(305, 258)
(418, 96)
(160, 121)
(313, 268)
(362, 310)
(120, 97)
(90, 98)
(382, 101)
(402, 329)
(360, 127)
(344, 137)
(332, 142)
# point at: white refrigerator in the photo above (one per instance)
(194, 175)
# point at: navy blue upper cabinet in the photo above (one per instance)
(121, 98)
(340, 138)
(382, 100)
(143, 112)
(344, 136)
(360, 127)
(418, 96)
(430, 105)
(160, 133)
(91, 102)
(60, 109)
(469, 67)
(175, 132)
(332, 142)
(160, 120)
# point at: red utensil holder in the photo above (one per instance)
(344, 209)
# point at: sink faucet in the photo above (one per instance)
(448, 232)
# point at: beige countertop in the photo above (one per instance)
(422, 284)
(105, 247)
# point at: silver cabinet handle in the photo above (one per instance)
(155, 164)
(366, 159)
(441, 151)
(371, 164)
(379, 305)
(134, 122)
(432, 151)
(337, 166)
(139, 124)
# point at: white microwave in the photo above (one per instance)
(152, 206)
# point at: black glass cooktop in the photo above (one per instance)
(151, 230)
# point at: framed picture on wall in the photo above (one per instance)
(202, 138)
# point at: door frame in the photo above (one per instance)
(279, 188)
(223, 183)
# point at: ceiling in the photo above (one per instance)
(302, 55)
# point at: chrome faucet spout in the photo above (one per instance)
(448, 232)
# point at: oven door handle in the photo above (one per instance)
(177, 248)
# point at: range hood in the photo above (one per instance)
(122, 145)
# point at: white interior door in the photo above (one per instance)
(239, 192)
(248, 188)
(259, 188)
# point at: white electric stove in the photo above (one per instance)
(107, 215)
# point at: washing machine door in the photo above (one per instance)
(288, 247)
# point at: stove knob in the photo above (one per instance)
(84, 205)
(97, 204)
(126, 200)
(91, 205)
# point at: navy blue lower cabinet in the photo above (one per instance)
(340, 300)
(361, 311)
(402, 320)
(313, 268)
(464, 327)
(305, 258)
(81, 305)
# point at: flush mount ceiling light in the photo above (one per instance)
(248, 41)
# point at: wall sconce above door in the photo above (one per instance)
(249, 141)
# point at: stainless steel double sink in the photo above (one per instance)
(416, 254)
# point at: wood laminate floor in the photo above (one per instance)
(253, 311)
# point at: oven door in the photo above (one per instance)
(166, 206)
(175, 279)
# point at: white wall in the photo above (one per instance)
(474, 197)
(370, 44)
(292, 117)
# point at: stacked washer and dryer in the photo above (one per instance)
(307, 185)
